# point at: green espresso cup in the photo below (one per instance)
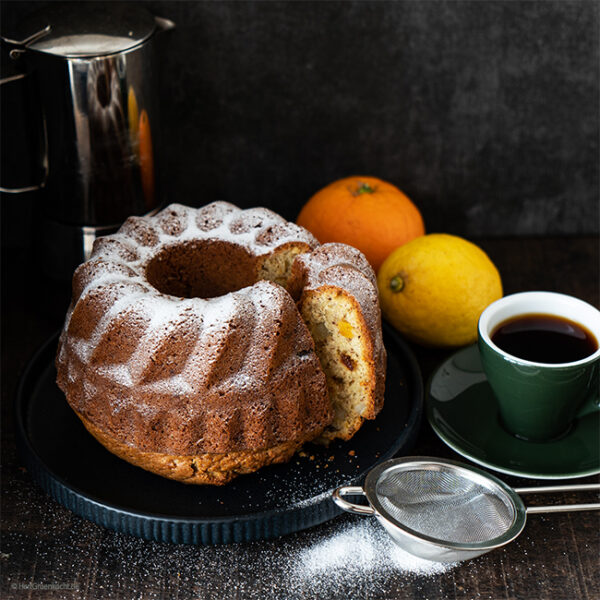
(539, 401)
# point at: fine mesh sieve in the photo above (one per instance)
(446, 511)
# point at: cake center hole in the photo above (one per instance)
(201, 269)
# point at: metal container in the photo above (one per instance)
(93, 67)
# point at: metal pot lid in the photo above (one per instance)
(86, 29)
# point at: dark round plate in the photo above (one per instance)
(69, 464)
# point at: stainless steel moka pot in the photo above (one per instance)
(92, 66)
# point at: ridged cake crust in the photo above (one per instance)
(337, 294)
(206, 468)
(196, 373)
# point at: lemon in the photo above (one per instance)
(434, 288)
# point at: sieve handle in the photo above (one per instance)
(582, 487)
(559, 508)
(352, 490)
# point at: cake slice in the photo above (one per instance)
(336, 291)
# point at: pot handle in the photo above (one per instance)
(18, 48)
(351, 490)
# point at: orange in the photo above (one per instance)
(365, 212)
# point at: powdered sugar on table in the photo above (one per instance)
(359, 549)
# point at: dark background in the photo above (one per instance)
(484, 113)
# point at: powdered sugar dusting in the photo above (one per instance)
(219, 220)
(350, 557)
(358, 549)
(333, 254)
(142, 240)
(118, 373)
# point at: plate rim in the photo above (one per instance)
(490, 465)
(57, 487)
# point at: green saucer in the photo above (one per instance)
(462, 410)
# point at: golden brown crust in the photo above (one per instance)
(285, 397)
(206, 468)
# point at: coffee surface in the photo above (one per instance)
(544, 338)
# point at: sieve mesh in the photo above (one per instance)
(445, 504)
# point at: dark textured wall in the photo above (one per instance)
(485, 113)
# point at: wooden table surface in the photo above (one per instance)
(48, 552)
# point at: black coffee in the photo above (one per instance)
(544, 338)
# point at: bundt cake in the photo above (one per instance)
(183, 353)
(338, 299)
